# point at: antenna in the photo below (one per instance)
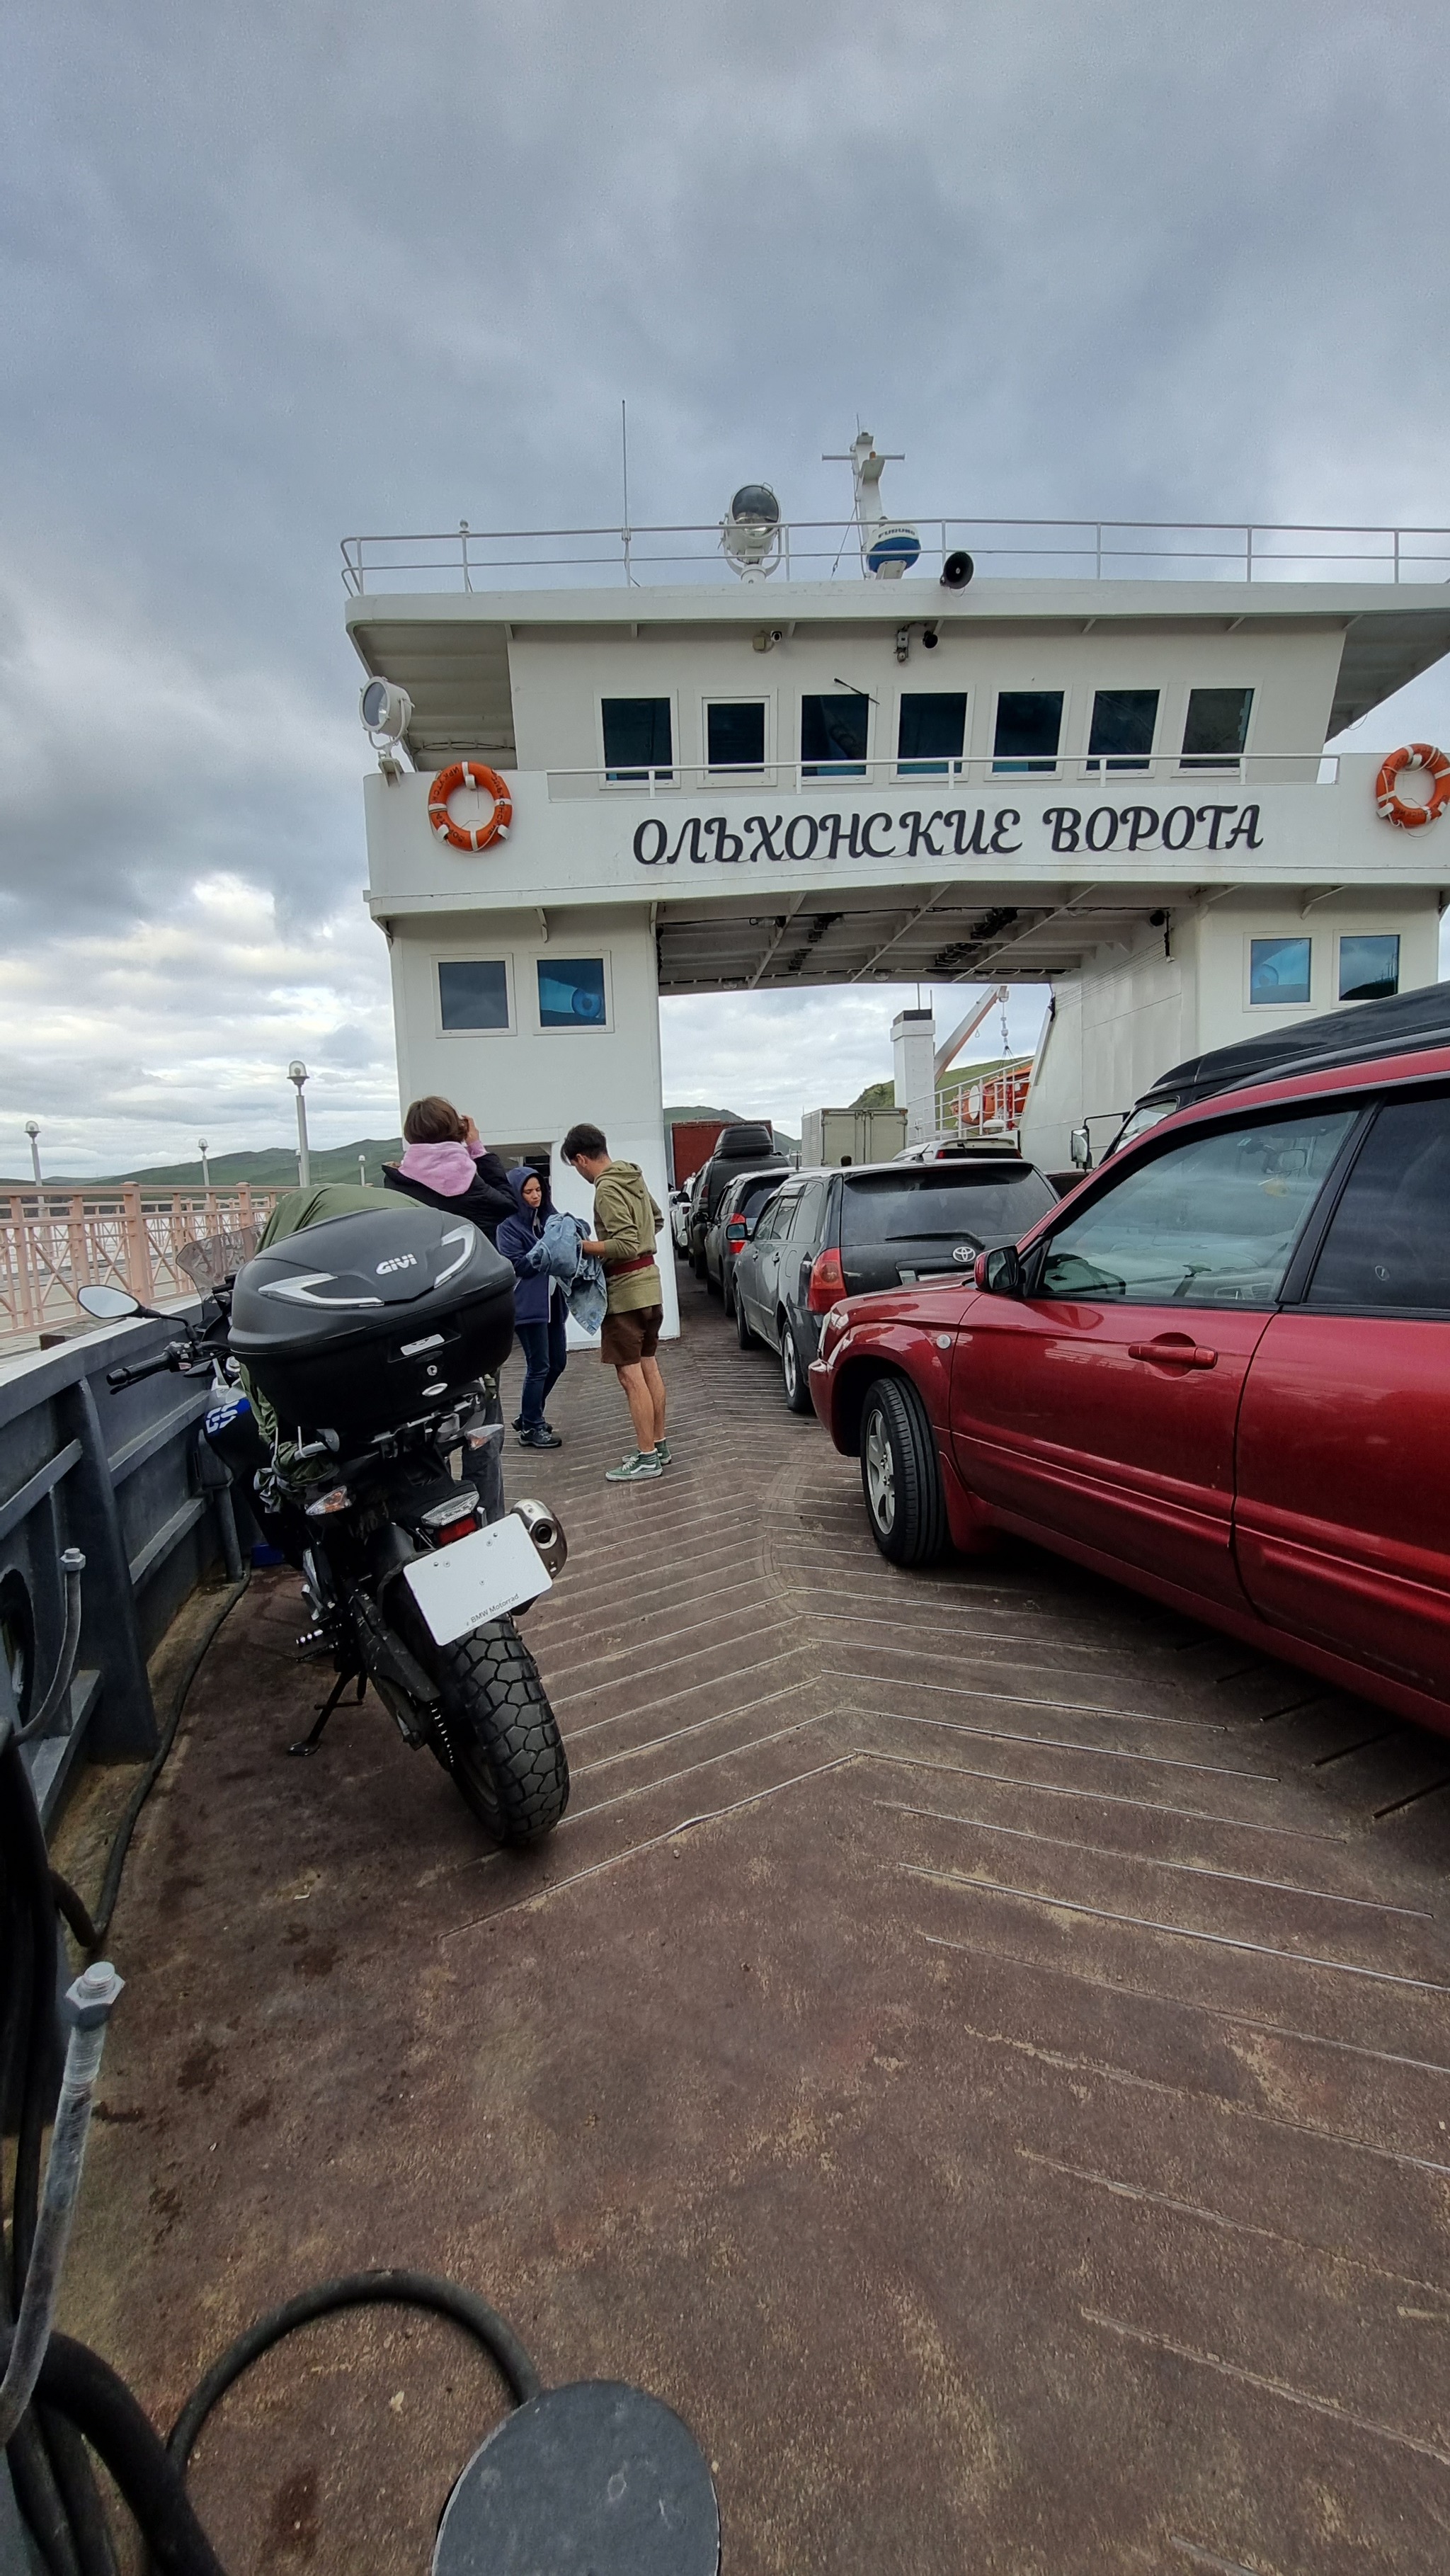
(626, 531)
(886, 552)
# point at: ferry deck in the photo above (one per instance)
(976, 2046)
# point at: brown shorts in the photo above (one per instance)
(630, 1336)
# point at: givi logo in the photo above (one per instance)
(400, 1261)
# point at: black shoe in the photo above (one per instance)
(537, 1435)
(519, 1422)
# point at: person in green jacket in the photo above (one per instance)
(626, 1221)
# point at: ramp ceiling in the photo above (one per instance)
(942, 934)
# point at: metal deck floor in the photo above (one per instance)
(976, 2045)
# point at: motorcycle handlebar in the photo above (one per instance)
(119, 1377)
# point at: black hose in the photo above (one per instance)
(31, 1862)
(79, 2494)
(357, 2290)
(72, 1909)
(77, 2384)
(38, 2497)
(100, 1918)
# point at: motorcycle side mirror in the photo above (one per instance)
(1000, 1272)
(108, 1305)
(1081, 1150)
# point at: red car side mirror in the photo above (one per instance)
(1001, 1272)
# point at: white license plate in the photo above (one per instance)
(479, 1577)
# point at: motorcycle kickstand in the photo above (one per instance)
(308, 1743)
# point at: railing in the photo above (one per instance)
(55, 1241)
(984, 1100)
(467, 559)
(789, 777)
(121, 1478)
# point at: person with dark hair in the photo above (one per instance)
(540, 1313)
(445, 1166)
(626, 1222)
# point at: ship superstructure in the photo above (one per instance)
(917, 757)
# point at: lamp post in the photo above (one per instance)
(297, 1072)
(362, 1171)
(32, 1129)
(205, 1168)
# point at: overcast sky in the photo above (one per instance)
(273, 274)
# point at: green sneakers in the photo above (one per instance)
(637, 1469)
(662, 1452)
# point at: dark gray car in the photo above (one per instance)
(833, 1234)
(728, 1229)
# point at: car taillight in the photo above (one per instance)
(828, 1282)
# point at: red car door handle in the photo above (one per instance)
(1174, 1351)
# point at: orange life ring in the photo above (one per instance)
(469, 773)
(1422, 755)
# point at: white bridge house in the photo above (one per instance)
(1107, 776)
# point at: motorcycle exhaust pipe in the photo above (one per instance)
(547, 1534)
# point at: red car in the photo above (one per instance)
(1218, 1371)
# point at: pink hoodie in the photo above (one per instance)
(448, 1168)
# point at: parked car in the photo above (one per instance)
(728, 1230)
(1220, 1371)
(744, 1147)
(1366, 1029)
(826, 1235)
(947, 1149)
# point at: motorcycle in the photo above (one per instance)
(347, 1364)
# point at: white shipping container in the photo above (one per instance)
(854, 1135)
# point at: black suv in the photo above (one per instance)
(737, 1149)
(833, 1234)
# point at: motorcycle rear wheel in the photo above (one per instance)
(497, 1737)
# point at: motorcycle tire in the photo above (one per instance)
(497, 1737)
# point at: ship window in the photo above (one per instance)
(473, 992)
(930, 731)
(1369, 965)
(1029, 729)
(637, 738)
(1217, 727)
(735, 733)
(833, 736)
(571, 993)
(1278, 971)
(1124, 721)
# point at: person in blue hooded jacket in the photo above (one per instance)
(540, 1313)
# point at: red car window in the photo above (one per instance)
(1388, 1243)
(1211, 1221)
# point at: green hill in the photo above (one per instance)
(269, 1168)
(274, 1167)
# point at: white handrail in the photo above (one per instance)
(1253, 551)
(1113, 773)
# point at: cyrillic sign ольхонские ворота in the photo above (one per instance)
(952, 832)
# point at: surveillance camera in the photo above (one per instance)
(386, 711)
(768, 636)
(930, 638)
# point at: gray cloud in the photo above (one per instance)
(274, 275)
